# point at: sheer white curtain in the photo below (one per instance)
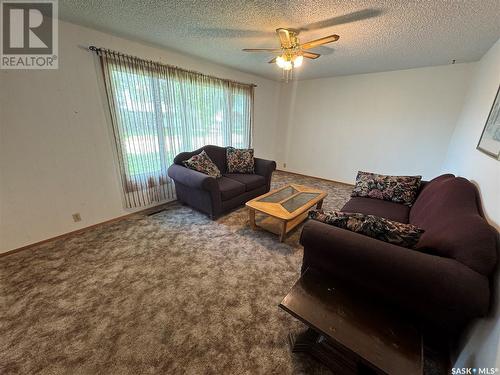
(159, 110)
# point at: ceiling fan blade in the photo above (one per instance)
(261, 49)
(284, 36)
(230, 33)
(272, 61)
(343, 19)
(320, 41)
(310, 55)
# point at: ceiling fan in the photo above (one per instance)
(292, 52)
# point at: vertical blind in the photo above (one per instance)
(160, 110)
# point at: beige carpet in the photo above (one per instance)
(172, 293)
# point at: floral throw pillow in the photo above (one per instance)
(240, 160)
(202, 163)
(399, 189)
(405, 235)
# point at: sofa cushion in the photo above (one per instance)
(449, 210)
(399, 189)
(202, 163)
(239, 160)
(216, 153)
(230, 188)
(251, 181)
(405, 235)
(390, 210)
(428, 197)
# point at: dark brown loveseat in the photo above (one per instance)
(445, 280)
(215, 196)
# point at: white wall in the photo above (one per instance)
(481, 343)
(397, 122)
(463, 158)
(56, 155)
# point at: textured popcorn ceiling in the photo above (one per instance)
(374, 35)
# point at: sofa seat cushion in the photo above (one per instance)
(230, 188)
(251, 181)
(390, 210)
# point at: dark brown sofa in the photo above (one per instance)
(215, 196)
(444, 281)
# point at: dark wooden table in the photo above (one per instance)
(352, 333)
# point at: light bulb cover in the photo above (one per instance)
(297, 61)
(280, 61)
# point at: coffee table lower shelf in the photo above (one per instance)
(278, 226)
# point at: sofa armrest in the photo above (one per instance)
(432, 286)
(192, 178)
(264, 167)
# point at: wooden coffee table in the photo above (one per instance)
(285, 207)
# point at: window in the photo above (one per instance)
(158, 111)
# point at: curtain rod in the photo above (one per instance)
(99, 49)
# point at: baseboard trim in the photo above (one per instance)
(319, 178)
(81, 230)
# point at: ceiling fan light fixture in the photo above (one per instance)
(280, 61)
(297, 61)
(285, 62)
(292, 52)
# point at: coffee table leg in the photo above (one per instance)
(319, 205)
(283, 231)
(251, 216)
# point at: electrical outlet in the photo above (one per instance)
(77, 217)
(284, 165)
